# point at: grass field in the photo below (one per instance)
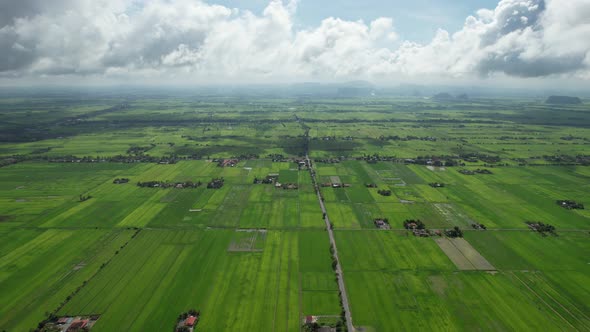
(256, 257)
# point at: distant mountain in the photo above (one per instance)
(359, 84)
(345, 89)
(443, 96)
(356, 89)
(563, 100)
(355, 92)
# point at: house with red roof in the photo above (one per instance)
(190, 321)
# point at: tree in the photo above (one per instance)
(455, 232)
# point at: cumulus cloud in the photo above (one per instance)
(200, 41)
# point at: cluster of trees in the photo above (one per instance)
(266, 180)
(328, 160)
(276, 157)
(12, 160)
(568, 160)
(371, 185)
(479, 226)
(454, 232)
(44, 325)
(166, 184)
(477, 171)
(407, 138)
(474, 157)
(570, 137)
(434, 160)
(517, 138)
(120, 181)
(414, 224)
(334, 260)
(373, 158)
(136, 150)
(541, 227)
(215, 183)
(340, 326)
(568, 204)
(384, 192)
(311, 327)
(245, 156)
(141, 158)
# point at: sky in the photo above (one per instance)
(416, 20)
(484, 42)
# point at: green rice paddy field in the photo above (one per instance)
(253, 257)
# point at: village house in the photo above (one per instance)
(311, 319)
(228, 162)
(78, 324)
(382, 223)
(187, 321)
(190, 321)
(64, 320)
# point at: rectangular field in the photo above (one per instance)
(463, 255)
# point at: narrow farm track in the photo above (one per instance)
(338, 268)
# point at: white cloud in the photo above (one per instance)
(197, 41)
(382, 28)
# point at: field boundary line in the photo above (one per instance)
(543, 300)
(580, 312)
(278, 270)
